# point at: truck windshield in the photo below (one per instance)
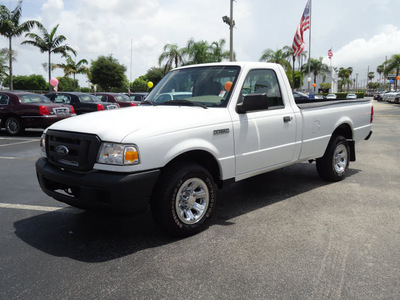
(209, 86)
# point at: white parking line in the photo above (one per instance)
(24, 142)
(30, 207)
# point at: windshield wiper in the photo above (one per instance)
(184, 102)
(148, 102)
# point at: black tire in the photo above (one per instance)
(184, 199)
(13, 126)
(334, 164)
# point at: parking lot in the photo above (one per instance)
(282, 235)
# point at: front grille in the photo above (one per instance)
(71, 150)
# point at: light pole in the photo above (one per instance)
(231, 23)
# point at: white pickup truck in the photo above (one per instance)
(201, 127)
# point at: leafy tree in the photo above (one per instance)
(108, 73)
(73, 67)
(173, 56)
(393, 64)
(10, 27)
(50, 43)
(67, 84)
(32, 82)
(154, 75)
(139, 85)
(325, 87)
(278, 57)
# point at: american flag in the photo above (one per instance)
(298, 41)
(330, 53)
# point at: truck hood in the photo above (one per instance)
(147, 121)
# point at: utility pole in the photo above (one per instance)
(231, 23)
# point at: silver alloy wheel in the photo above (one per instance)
(12, 126)
(340, 159)
(192, 201)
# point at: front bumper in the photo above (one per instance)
(97, 190)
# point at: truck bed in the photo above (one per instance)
(312, 103)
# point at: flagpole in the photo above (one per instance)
(309, 51)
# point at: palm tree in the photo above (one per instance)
(73, 67)
(380, 70)
(3, 60)
(217, 51)
(316, 67)
(10, 27)
(278, 57)
(173, 55)
(50, 43)
(393, 64)
(197, 52)
(345, 74)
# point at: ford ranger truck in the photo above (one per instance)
(201, 127)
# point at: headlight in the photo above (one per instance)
(43, 144)
(118, 154)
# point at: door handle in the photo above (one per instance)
(287, 119)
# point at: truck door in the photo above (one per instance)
(266, 138)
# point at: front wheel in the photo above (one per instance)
(184, 199)
(334, 164)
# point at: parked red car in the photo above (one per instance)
(121, 99)
(20, 110)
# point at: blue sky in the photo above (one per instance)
(361, 32)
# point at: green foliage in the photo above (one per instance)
(139, 85)
(297, 78)
(50, 43)
(325, 87)
(279, 57)
(194, 53)
(32, 82)
(108, 73)
(10, 27)
(72, 67)
(154, 75)
(66, 84)
(86, 90)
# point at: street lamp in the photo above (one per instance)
(231, 23)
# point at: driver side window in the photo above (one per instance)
(264, 81)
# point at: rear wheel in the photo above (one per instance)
(334, 164)
(184, 199)
(13, 126)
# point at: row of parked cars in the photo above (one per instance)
(20, 110)
(391, 97)
(301, 96)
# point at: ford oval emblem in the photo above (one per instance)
(61, 150)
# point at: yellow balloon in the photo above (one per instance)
(150, 84)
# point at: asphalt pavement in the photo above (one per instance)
(282, 235)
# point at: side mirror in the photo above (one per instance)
(252, 102)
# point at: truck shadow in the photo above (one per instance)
(94, 238)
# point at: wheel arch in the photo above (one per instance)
(202, 158)
(346, 131)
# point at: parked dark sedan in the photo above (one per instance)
(83, 103)
(121, 99)
(20, 110)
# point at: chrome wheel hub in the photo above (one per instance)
(192, 201)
